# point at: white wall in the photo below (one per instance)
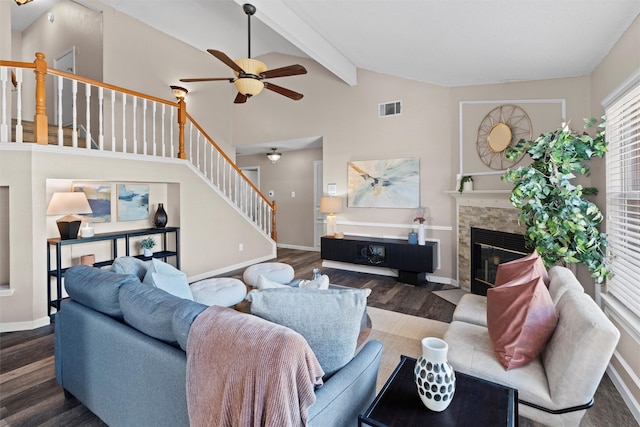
(211, 230)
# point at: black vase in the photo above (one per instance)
(160, 218)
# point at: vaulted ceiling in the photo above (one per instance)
(445, 42)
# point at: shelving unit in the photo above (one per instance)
(58, 271)
(413, 262)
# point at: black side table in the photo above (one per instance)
(476, 403)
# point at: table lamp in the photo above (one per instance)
(331, 205)
(69, 204)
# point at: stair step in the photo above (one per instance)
(28, 134)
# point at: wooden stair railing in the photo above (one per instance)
(142, 127)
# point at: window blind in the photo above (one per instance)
(623, 198)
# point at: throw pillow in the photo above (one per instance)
(97, 289)
(168, 278)
(130, 265)
(320, 283)
(328, 320)
(520, 319)
(264, 283)
(523, 269)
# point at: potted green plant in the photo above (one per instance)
(561, 223)
(464, 180)
(147, 244)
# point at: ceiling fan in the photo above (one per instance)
(251, 73)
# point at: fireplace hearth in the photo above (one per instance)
(490, 248)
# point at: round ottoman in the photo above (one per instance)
(278, 272)
(222, 291)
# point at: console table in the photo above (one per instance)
(58, 271)
(413, 262)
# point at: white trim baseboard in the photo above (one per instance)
(24, 326)
(220, 271)
(301, 248)
(381, 271)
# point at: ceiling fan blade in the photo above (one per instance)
(207, 79)
(240, 99)
(291, 70)
(224, 58)
(283, 91)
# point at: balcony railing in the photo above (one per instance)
(91, 115)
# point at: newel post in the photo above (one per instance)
(182, 119)
(274, 232)
(40, 120)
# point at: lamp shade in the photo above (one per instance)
(69, 204)
(330, 204)
(274, 156)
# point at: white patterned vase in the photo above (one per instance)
(433, 375)
(421, 240)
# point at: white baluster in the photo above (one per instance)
(154, 128)
(4, 129)
(59, 99)
(100, 118)
(124, 122)
(173, 124)
(19, 131)
(198, 152)
(163, 123)
(134, 125)
(113, 120)
(144, 126)
(87, 90)
(74, 92)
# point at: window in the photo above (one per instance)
(623, 194)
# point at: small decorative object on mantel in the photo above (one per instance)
(466, 183)
(420, 218)
(434, 377)
(160, 218)
(146, 245)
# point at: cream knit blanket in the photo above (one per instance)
(245, 371)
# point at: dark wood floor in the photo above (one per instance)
(29, 395)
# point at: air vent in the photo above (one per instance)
(390, 109)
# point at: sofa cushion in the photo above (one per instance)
(329, 320)
(524, 269)
(168, 278)
(264, 283)
(182, 320)
(97, 289)
(150, 310)
(130, 265)
(520, 318)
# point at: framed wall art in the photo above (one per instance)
(391, 183)
(99, 197)
(133, 202)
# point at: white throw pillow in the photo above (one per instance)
(264, 283)
(321, 283)
(168, 278)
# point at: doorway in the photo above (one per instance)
(318, 217)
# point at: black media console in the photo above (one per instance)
(413, 262)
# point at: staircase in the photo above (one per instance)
(28, 134)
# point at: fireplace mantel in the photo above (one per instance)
(482, 198)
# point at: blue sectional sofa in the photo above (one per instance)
(129, 378)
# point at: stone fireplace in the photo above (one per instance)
(483, 209)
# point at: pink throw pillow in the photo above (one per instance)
(522, 269)
(520, 318)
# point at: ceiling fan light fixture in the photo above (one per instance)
(179, 92)
(21, 2)
(274, 156)
(248, 86)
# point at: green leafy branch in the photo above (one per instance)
(561, 223)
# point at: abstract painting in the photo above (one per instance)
(393, 183)
(99, 197)
(133, 202)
